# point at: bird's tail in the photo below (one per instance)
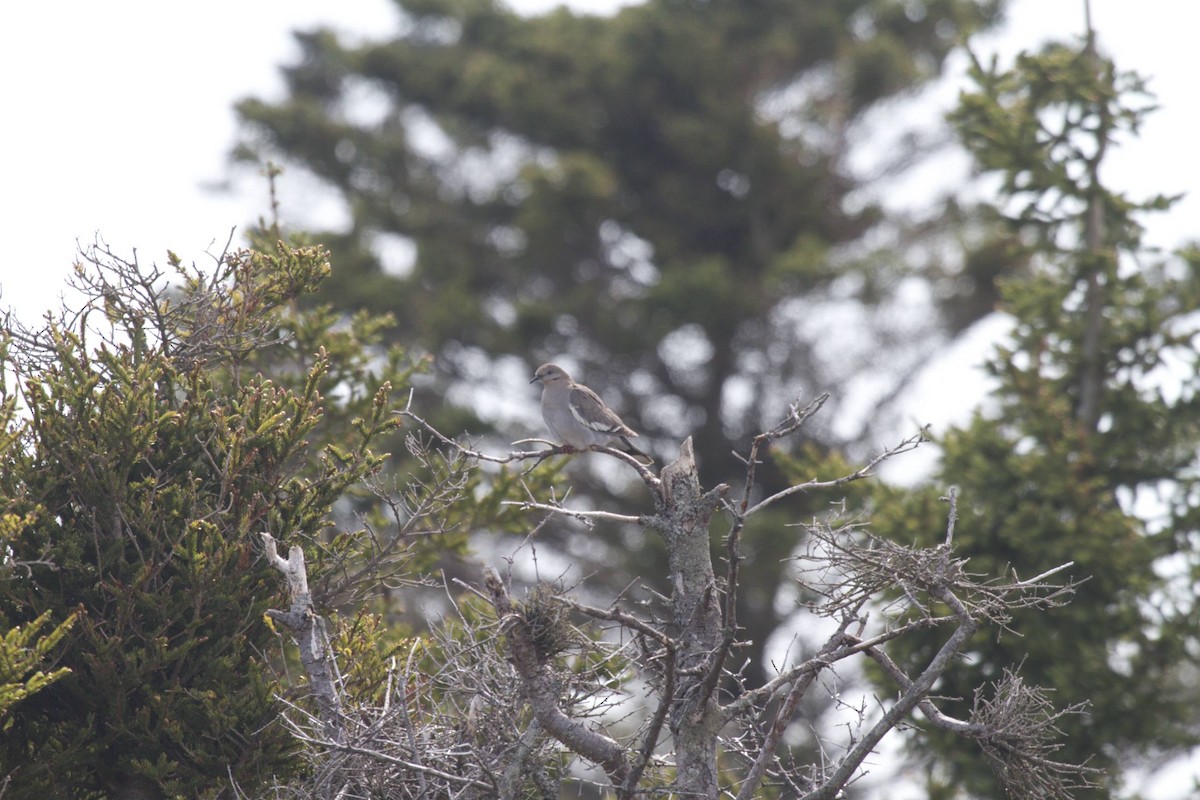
(633, 451)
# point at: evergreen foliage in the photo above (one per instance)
(21, 654)
(151, 434)
(1089, 453)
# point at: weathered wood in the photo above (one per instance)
(308, 629)
(684, 514)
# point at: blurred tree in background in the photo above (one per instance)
(1090, 451)
(662, 198)
(649, 194)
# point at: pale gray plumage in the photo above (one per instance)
(576, 415)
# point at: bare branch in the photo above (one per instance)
(951, 518)
(794, 420)
(583, 516)
(848, 646)
(1037, 580)
(649, 478)
(927, 706)
(911, 443)
(615, 614)
(377, 755)
(542, 697)
(510, 781)
(476, 455)
(1017, 730)
(666, 670)
(785, 712)
(538, 456)
(309, 631)
(654, 729)
(852, 566)
(1019, 735)
(908, 700)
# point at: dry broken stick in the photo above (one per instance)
(308, 629)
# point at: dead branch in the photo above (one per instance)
(542, 697)
(537, 456)
(785, 712)
(911, 443)
(524, 661)
(1016, 728)
(918, 690)
(666, 669)
(587, 517)
(851, 566)
(308, 629)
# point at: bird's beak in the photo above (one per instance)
(534, 379)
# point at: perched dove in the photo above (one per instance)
(576, 415)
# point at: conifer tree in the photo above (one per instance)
(1090, 452)
(151, 435)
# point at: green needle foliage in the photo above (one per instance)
(150, 435)
(1089, 455)
(21, 654)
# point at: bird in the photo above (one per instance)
(576, 415)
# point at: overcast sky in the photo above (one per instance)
(117, 116)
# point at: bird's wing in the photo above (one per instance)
(592, 413)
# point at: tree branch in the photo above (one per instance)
(666, 693)
(642, 470)
(905, 446)
(1015, 729)
(909, 699)
(308, 629)
(785, 712)
(848, 646)
(582, 516)
(378, 755)
(541, 696)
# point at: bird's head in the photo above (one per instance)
(550, 374)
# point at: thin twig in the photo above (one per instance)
(905, 446)
(583, 516)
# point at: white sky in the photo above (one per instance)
(118, 115)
